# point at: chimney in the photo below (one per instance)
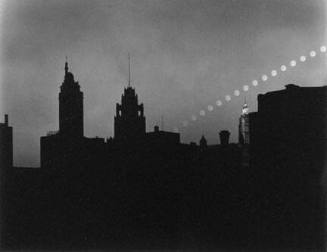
(6, 119)
(224, 137)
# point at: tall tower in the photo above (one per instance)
(129, 119)
(243, 128)
(70, 107)
(6, 146)
(203, 143)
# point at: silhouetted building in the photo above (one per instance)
(6, 167)
(289, 122)
(60, 148)
(243, 127)
(203, 143)
(147, 189)
(162, 138)
(288, 163)
(6, 145)
(129, 125)
(224, 137)
(129, 119)
(70, 107)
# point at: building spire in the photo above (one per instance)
(66, 66)
(129, 70)
(245, 108)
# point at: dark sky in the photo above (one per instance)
(184, 55)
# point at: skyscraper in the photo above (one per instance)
(288, 142)
(62, 146)
(243, 128)
(129, 119)
(70, 106)
(6, 145)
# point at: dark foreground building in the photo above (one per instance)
(6, 165)
(147, 190)
(243, 126)
(6, 145)
(288, 147)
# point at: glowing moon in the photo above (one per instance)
(293, 63)
(264, 77)
(236, 92)
(283, 68)
(219, 103)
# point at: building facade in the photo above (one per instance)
(288, 140)
(243, 126)
(6, 145)
(289, 122)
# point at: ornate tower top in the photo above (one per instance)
(129, 70)
(245, 108)
(129, 119)
(243, 127)
(66, 66)
(69, 77)
(203, 141)
(70, 106)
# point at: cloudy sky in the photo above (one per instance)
(185, 55)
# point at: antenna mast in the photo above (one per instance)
(66, 65)
(129, 70)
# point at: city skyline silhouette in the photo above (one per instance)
(163, 125)
(147, 190)
(181, 62)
